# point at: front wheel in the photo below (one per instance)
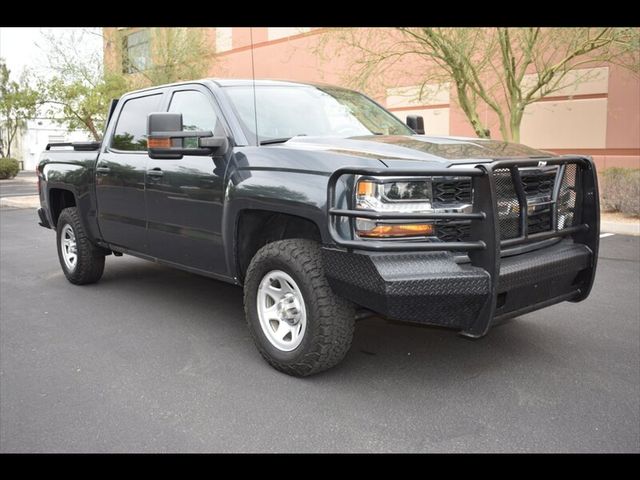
(81, 261)
(298, 324)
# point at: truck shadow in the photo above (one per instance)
(381, 349)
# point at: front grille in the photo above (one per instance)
(567, 197)
(454, 232)
(538, 183)
(451, 191)
(539, 221)
(508, 205)
(538, 186)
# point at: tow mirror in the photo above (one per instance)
(166, 138)
(416, 123)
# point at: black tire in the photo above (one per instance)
(330, 318)
(90, 258)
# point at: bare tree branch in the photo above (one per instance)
(505, 69)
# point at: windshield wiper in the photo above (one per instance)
(280, 140)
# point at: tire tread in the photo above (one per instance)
(90, 263)
(334, 316)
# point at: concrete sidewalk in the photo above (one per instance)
(26, 201)
(22, 177)
(619, 223)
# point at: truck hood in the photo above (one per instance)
(445, 150)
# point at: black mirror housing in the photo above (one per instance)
(416, 123)
(164, 122)
(165, 138)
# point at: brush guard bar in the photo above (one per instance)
(485, 245)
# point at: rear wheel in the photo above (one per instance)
(81, 261)
(298, 324)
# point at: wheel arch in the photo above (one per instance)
(257, 227)
(58, 200)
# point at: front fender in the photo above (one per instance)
(303, 194)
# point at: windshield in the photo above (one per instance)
(286, 111)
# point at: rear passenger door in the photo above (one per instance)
(120, 175)
(185, 196)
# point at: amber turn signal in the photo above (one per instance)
(386, 231)
(162, 142)
(366, 188)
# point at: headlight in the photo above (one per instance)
(393, 195)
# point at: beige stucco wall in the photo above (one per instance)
(436, 120)
(600, 116)
(565, 124)
(431, 101)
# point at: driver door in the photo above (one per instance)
(184, 196)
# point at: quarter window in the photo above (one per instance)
(131, 129)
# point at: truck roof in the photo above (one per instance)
(234, 82)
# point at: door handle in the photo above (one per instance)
(103, 170)
(156, 172)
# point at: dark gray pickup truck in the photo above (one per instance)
(325, 208)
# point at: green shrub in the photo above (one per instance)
(8, 168)
(620, 190)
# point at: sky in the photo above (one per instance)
(18, 47)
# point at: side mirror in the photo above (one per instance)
(416, 123)
(165, 138)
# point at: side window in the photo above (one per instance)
(131, 129)
(197, 113)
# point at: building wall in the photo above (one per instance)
(35, 137)
(600, 116)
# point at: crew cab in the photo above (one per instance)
(324, 207)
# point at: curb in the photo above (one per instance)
(620, 228)
(26, 201)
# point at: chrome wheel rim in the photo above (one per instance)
(69, 247)
(281, 310)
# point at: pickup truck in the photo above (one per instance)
(325, 208)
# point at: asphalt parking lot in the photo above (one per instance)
(157, 360)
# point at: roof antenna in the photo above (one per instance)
(253, 76)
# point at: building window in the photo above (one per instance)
(136, 55)
(224, 39)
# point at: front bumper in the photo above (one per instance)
(433, 288)
(502, 276)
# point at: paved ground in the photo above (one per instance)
(25, 183)
(153, 359)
